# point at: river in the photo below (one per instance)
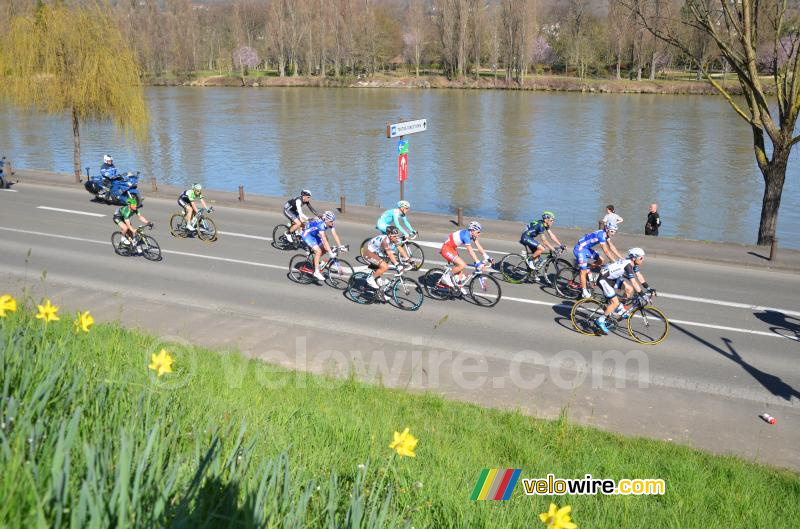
(498, 154)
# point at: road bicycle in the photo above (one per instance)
(414, 251)
(567, 282)
(516, 268)
(481, 288)
(646, 324)
(406, 293)
(140, 244)
(337, 272)
(282, 242)
(205, 227)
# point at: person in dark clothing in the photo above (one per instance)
(653, 221)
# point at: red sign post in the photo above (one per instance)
(402, 167)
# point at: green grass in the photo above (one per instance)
(97, 440)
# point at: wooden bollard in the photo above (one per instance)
(773, 249)
(241, 193)
(460, 216)
(341, 204)
(154, 184)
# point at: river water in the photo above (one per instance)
(498, 154)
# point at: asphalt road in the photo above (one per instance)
(731, 354)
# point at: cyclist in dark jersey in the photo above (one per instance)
(293, 210)
(536, 248)
(122, 218)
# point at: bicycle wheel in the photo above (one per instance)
(358, 290)
(550, 269)
(206, 230)
(583, 315)
(301, 269)
(484, 290)
(338, 273)
(150, 248)
(119, 248)
(432, 280)
(568, 283)
(177, 225)
(361, 249)
(416, 254)
(279, 240)
(407, 294)
(514, 268)
(648, 325)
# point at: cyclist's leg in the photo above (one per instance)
(582, 262)
(376, 260)
(609, 291)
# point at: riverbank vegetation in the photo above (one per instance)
(105, 427)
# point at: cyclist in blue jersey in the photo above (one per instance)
(533, 230)
(584, 251)
(381, 251)
(393, 217)
(314, 237)
(450, 252)
(614, 275)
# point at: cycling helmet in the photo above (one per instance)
(404, 204)
(548, 215)
(197, 187)
(636, 253)
(392, 230)
(474, 226)
(611, 227)
(305, 193)
(132, 201)
(328, 216)
(108, 159)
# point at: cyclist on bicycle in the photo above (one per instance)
(188, 202)
(392, 217)
(536, 248)
(613, 276)
(314, 237)
(450, 252)
(382, 250)
(122, 218)
(584, 252)
(293, 210)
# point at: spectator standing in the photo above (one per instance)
(653, 221)
(611, 217)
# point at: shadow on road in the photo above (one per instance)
(780, 323)
(764, 257)
(774, 384)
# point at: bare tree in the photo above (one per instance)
(414, 35)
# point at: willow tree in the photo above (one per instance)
(72, 59)
(760, 40)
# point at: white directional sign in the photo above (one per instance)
(406, 127)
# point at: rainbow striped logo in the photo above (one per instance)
(495, 484)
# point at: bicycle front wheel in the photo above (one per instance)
(207, 230)
(583, 315)
(416, 254)
(177, 226)
(338, 273)
(301, 269)
(408, 294)
(119, 248)
(514, 268)
(648, 325)
(150, 248)
(432, 280)
(484, 290)
(568, 283)
(358, 290)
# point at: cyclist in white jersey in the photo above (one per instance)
(381, 251)
(624, 272)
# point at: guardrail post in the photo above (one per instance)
(87, 173)
(241, 193)
(341, 204)
(154, 184)
(773, 249)
(460, 216)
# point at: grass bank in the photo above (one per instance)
(91, 437)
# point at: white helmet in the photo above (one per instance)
(108, 159)
(328, 216)
(403, 204)
(474, 226)
(197, 187)
(611, 227)
(636, 253)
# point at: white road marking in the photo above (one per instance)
(281, 267)
(10, 190)
(71, 211)
(244, 235)
(728, 303)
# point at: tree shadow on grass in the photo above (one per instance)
(772, 383)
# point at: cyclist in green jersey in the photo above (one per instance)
(188, 201)
(122, 218)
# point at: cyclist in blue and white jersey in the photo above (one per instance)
(381, 251)
(533, 230)
(393, 217)
(449, 251)
(584, 252)
(314, 237)
(625, 272)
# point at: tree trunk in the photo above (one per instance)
(76, 145)
(774, 176)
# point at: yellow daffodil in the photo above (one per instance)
(557, 518)
(404, 444)
(84, 322)
(161, 363)
(7, 304)
(47, 312)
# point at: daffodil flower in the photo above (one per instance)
(84, 322)
(47, 312)
(404, 444)
(557, 518)
(7, 304)
(161, 363)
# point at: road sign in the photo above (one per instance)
(402, 147)
(402, 167)
(403, 128)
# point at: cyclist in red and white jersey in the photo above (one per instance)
(449, 251)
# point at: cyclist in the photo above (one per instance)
(450, 252)
(314, 237)
(584, 252)
(122, 218)
(393, 217)
(188, 202)
(293, 210)
(382, 250)
(613, 276)
(528, 239)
